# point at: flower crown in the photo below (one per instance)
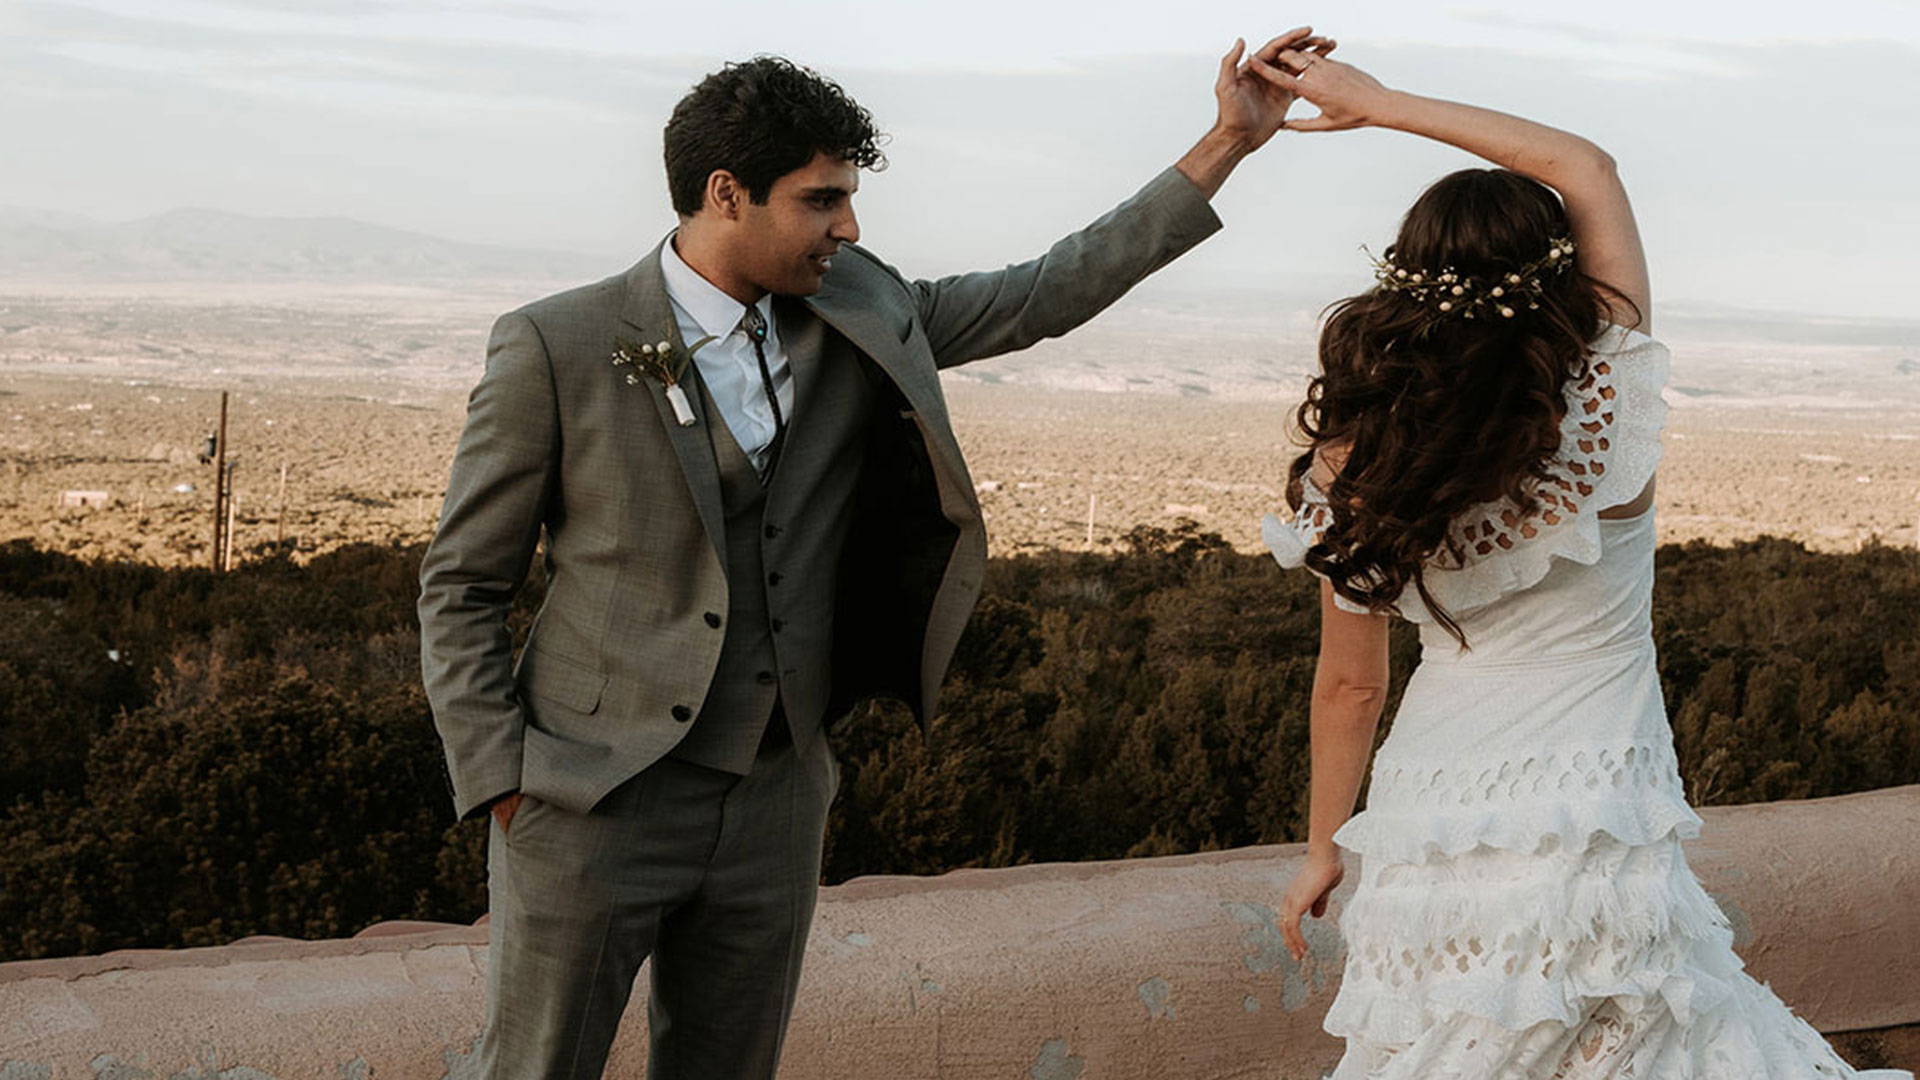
(1451, 293)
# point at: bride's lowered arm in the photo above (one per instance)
(1349, 691)
(1604, 231)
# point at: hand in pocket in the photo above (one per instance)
(504, 808)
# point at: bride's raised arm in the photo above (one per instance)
(1604, 232)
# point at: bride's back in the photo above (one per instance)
(1573, 610)
(1556, 580)
(1468, 382)
(1537, 590)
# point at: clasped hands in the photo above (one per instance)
(1255, 91)
(1252, 105)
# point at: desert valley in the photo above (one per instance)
(348, 376)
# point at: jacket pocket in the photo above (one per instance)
(561, 680)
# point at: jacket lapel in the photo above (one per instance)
(918, 383)
(649, 314)
(800, 340)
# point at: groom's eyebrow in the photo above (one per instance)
(825, 189)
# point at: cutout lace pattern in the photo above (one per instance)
(1573, 474)
(1609, 449)
(1556, 774)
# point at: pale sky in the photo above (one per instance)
(1773, 158)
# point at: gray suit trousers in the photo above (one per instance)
(712, 874)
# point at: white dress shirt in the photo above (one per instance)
(728, 364)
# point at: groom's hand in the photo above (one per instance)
(1251, 109)
(503, 809)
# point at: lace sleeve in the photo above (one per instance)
(1609, 449)
(1289, 540)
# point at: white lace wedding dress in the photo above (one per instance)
(1523, 907)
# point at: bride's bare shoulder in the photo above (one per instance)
(1328, 458)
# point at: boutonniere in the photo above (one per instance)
(659, 362)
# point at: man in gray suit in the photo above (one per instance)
(756, 515)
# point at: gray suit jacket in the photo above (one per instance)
(630, 502)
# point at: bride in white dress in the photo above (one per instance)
(1484, 433)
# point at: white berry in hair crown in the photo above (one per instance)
(1466, 295)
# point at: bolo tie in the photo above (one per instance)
(755, 325)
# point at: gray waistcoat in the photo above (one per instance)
(783, 544)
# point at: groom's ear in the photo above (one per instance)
(725, 195)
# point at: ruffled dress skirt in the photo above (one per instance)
(1534, 916)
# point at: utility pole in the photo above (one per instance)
(220, 490)
(280, 514)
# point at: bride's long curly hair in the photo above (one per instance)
(1435, 413)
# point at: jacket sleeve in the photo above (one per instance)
(504, 473)
(987, 313)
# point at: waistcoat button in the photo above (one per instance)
(713, 619)
(682, 713)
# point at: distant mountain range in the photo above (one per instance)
(50, 248)
(214, 245)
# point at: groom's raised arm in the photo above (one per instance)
(977, 315)
(986, 313)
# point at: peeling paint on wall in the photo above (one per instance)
(918, 984)
(108, 1067)
(1054, 1063)
(357, 1069)
(1262, 936)
(1250, 1003)
(463, 1064)
(852, 943)
(25, 1070)
(1157, 994)
(1326, 951)
(1326, 958)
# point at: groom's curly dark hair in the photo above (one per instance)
(760, 120)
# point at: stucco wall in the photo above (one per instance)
(1145, 968)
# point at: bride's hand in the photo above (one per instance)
(1251, 108)
(1346, 96)
(1308, 892)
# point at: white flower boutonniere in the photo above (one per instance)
(659, 362)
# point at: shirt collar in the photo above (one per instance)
(712, 310)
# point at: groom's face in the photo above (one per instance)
(787, 245)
